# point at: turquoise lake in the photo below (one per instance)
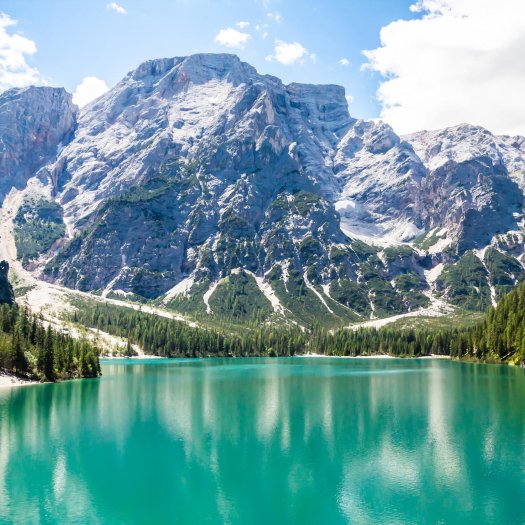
(268, 441)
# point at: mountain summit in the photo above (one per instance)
(200, 184)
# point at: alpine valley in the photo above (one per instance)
(207, 191)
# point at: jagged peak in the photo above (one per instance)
(203, 67)
(462, 130)
(376, 136)
(36, 92)
(196, 67)
(222, 64)
(317, 88)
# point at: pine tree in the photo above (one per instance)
(18, 359)
(129, 352)
(48, 360)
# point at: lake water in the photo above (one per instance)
(268, 441)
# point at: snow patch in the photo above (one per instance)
(386, 233)
(319, 296)
(207, 295)
(372, 305)
(181, 288)
(437, 308)
(440, 245)
(268, 292)
(226, 194)
(122, 293)
(432, 275)
(286, 275)
(109, 287)
(480, 254)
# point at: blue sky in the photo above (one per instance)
(431, 63)
(75, 39)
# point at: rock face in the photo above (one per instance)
(208, 166)
(6, 290)
(473, 184)
(197, 178)
(381, 178)
(34, 123)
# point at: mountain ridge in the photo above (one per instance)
(198, 183)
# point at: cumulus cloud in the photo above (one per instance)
(89, 89)
(288, 52)
(117, 8)
(242, 24)
(232, 38)
(275, 16)
(461, 61)
(344, 62)
(262, 30)
(14, 50)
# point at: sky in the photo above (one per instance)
(423, 64)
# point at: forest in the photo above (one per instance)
(500, 337)
(30, 350)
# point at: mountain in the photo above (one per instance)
(201, 185)
(34, 124)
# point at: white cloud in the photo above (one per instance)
(261, 29)
(117, 8)
(242, 24)
(344, 62)
(232, 38)
(349, 98)
(89, 89)
(288, 53)
(462, 61)
(277, 17)
(14, 50)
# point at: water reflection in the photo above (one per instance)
(257, 441)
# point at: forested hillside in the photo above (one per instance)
(502, 335)
(499, 338)
(30, 350)
(6, 291)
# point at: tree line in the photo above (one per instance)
(30, 349)
(499, 338)
(169, 338)
(501, 335)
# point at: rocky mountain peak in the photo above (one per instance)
(197, 68)
(190, 108)
(35, 122)
(199, 182)
(457, 144)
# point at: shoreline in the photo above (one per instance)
(144, 356)
(8, 380)
(377, 356)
